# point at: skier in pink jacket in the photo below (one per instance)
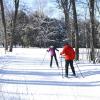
(53, 54)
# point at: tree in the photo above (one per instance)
(65, 5)
(14, 24)
(4, 24)
(76, 29)
(92, 26)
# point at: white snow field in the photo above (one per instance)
(25, 75)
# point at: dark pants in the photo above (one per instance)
(67, 62)
(55, 60)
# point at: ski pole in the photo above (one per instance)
(79, 69)
(43, 58)
(61, 65)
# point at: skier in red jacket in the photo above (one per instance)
(69, 54)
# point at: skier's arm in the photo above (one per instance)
(48, 50)
(56, 49)
(63, 51)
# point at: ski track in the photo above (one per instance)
(24, 77)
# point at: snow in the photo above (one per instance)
(25, 75)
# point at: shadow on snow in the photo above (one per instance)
(45, 81)
(50, 83)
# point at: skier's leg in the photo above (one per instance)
(72, 67)
(51, 61)
(66, 67)
(56, 60)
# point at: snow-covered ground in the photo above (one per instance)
(25, 75)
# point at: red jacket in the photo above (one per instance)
(68, 52)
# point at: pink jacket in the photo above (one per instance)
(52, 51)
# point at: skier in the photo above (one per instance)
(53, 54)
(69, 54)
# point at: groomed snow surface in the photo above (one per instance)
(25, 75)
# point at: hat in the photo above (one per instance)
(66, 41)
(51, 46)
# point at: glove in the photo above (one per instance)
(47, 50)
(60, 53)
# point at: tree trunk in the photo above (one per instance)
(14, 24)
(92, 35)
(76, 29)
(66, 13)
(4, 24)
(65, 5)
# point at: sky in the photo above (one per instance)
(49, 7)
